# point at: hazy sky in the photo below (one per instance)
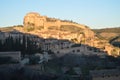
(94, 13)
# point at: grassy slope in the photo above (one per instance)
(108, 33)
(6, 29)
(10, 28)
(108, 30)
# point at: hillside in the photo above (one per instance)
(10, 28)
(6, 29)
(110, 34)
(46, 27)
(108, 30)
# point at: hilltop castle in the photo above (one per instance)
(37, 21)
(34, 21)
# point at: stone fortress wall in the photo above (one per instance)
(43, 21)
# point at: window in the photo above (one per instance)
(61, 47)
(67, 47)
(78, 50)
(117, 75)
(103, 76)
(73, 51)
(108, 75)
(58, 52)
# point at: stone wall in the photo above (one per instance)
(36, 20)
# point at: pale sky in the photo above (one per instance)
(93, 13)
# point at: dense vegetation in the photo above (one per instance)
(25, 45)
(14, 73)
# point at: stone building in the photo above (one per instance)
(34, 20)
(63, 47)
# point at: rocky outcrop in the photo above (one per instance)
(34, 21)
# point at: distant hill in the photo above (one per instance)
(108, 30)
(110, 34)
(5, 29)
(10, 28)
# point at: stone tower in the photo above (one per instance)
(34, 21)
